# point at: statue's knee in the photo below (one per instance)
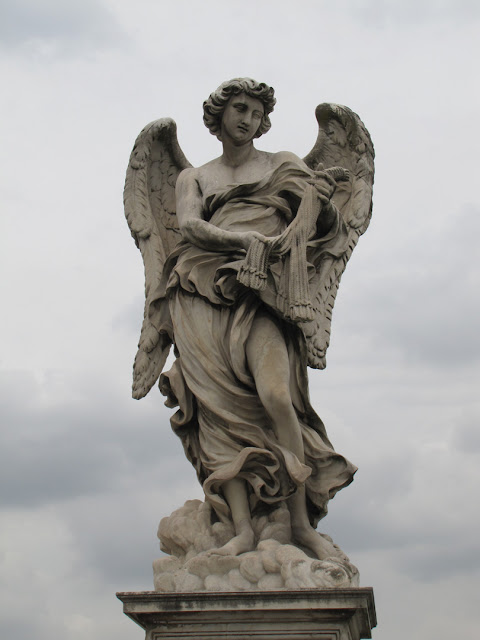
(277, 400)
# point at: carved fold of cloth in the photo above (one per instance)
(223, 426)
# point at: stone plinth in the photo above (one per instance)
(306, 614)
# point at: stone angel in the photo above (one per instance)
(243, 258)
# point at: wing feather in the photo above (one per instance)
(342, 141)
(149, 199)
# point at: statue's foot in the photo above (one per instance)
(244, 541)
(311, 539)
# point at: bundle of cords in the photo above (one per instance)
(294, 295)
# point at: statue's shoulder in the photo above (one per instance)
(191, 177)
(286, 156)
(187, 175)
(209, 167)
(209, 175)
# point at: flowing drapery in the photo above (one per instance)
(224, 428)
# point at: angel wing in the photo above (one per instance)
(342, 141)
(149, 199)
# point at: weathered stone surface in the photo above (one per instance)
(316, 614)
(251, 567)
(204, 565)
(238, 582)
(188, 582)
(167, 564)
(268, 549)
(276, 531)
(218, 583)
(271, 565)
(164, 581)
(287, 553)
(271, 582)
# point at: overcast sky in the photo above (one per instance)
(86, 472)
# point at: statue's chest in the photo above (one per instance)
(223, 177)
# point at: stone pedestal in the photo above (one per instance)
(306, 614)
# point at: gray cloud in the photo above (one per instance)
(68, 25)
(366, 524)
(425, 294)
(387, 12)
(466, 437)
(15, 627)
(130, 317)
(51, 453)
(115, 532)
(106, 467)
(431, 562)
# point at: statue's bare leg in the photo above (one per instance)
(235, 492)
(268, 361)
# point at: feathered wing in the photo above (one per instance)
(149, 199)
(342, 141)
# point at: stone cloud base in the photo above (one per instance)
(306, 614)
(275, 563)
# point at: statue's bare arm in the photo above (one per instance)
(197, 230)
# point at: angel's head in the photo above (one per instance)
(214, 106)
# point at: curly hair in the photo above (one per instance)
(215, 104)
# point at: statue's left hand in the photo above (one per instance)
(324, 184)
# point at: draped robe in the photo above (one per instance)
(225, 430)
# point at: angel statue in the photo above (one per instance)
(243, 258)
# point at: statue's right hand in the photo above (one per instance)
(246, 238)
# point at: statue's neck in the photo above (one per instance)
(235, 156)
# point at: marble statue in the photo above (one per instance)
(243, 258)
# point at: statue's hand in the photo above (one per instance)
(246, 238)
(324, 184)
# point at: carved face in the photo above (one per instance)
(241, 119)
